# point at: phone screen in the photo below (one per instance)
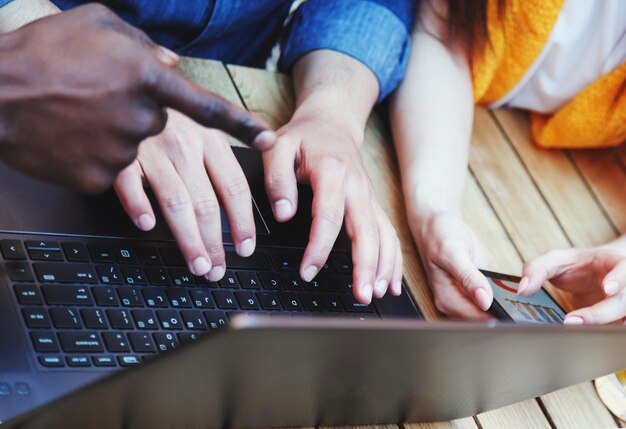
(538, 308)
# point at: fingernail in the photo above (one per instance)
(282, 209)
(523, 284)
(611, 287)
(397, 289)
(265, 140)
(366, 293)
(216, 273)
(145, 222)
(168, 56)
(573, 320)
(246, 248)
(380, 288)
(200, 266)
(309, 273)
(482, 299)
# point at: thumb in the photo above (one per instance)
(545, 267)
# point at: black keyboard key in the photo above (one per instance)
(158, 276)
(165, 341)
(125, 255)
(65, 273)
(67, 295)
(45, 255)
(270, 281)
(202, 298)
(141, 342)
(256, 261)
(28, 294)
(341, 262)
(225, 300)
(178, 298)
(44, 342)
(248, 280)
(116, 342)
(44, 250)
(247, 300)
(12, 250)
(172, 257)
(103, 361)
(353, 306)
(101, 253)
(120, 319)
(42, 245)
(130, 296)
(52, 361)
(269, 300)
(155, 297)
(109, 274)
(76, 252)
(128, 360)
(229, 281)
(204, 282)
(81, 342)
(215, 319)
(78, 361)
(314, 285)
(193, 320)
(332, 303)
(94, 319)
(169, 319)
(149, 255)
(311, 302)
(284, 261)
(36, 318)
(133, 275)
(19, 271)
(188, 337)
(290, 301)
(337, 282)
(145, 319)
(105, 296)
(292, 282)
(65, 318)
(181, 277)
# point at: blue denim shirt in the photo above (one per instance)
(375, 32)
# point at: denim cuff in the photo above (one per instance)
(364, 30)
(5, 2)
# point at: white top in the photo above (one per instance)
(588, 41)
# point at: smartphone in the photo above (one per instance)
(509, 306)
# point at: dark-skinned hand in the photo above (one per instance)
(80, 90)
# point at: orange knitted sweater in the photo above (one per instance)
(596, 117)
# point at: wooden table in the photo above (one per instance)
(521, 201)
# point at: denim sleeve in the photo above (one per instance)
(5, 2)
(375, 32)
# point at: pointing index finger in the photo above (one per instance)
(208, 109)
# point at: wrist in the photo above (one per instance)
(327, 112)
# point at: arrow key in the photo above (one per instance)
(76, 252)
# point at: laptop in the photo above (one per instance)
(85, 295)
(289, 372)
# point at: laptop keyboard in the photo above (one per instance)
(89, 303)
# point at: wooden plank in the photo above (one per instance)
(520, 192)
(213, 76)
(452, 424)
(526, 417)
(606, 176)
(560, 183)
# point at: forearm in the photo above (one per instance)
(431, 118)
(20, 12)
(336, 87)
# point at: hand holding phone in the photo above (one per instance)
(509, 306)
